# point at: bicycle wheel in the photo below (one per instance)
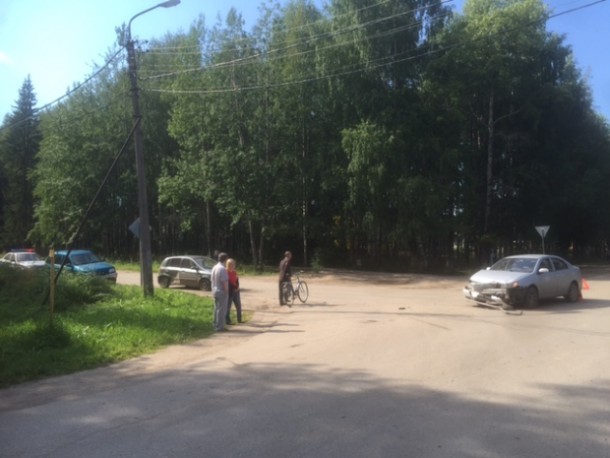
(303, 291)
(287, 293)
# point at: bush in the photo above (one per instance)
(30, 288)
(18, 286)
(77, 290)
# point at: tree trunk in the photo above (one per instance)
(490, 157)
(208, 227)
(253, 250)
(260, 246)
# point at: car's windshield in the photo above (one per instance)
(84, 258)
(204, 261)
(24, 257)
(515, 264)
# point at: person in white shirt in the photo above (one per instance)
(220, 291)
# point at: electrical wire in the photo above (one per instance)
(271, 54)
(366, 66)
(276, 53)
(67, 94)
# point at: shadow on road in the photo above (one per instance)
(260, 410)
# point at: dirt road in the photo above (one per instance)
(334, 287)
(372, 365)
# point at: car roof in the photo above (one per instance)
(189, 256)
(72, 252)
(528, 256)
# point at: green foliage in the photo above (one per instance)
(22, 286)
(19, 145)
(94, 324)
(368, 131)
(513, 94)
(370, 153)
(82, 136)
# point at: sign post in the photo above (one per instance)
(543, 230)
(52, 284)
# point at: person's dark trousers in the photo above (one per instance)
(234, 298)
(282, 302)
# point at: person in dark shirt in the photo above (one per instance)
(285, 274)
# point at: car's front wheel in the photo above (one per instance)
(205, 285)
(531, 298)
(573, 293)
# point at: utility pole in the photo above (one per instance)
(146, 277)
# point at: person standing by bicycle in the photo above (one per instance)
(285, 274)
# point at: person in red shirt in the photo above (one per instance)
(234, 295)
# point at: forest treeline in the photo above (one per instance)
(377, 134)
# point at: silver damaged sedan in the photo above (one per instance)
(520, 281)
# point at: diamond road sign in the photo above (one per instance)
(135, 227)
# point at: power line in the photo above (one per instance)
(277, 53)
(369, 65)
(389, 60)
(67, 94)
(310, 24)
(243, 60)
(578, 8)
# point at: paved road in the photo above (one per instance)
(372, 366)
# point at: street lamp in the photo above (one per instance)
(146, 278)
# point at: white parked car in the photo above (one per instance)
(522, 280)
(25, 259)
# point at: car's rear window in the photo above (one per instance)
(173, 262)
(188, 264)
(205, 262)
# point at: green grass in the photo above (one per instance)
(94, 323)
(134, 266)
(243, 269)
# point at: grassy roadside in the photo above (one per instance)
(94, 323)
(243, 269)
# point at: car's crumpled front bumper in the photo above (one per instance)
(492, 294)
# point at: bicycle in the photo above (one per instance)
(299, 290)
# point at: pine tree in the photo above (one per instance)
(21, 136)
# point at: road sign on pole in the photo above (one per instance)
(135, 228)
(543, 230)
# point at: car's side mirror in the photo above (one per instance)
(543, 270)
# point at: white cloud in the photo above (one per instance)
(4, 58)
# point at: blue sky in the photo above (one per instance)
(57, 42)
